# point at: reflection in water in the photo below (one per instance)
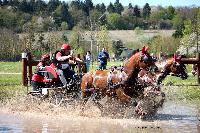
(174, 117)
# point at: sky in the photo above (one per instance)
(141, 3)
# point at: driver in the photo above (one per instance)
(62, 61)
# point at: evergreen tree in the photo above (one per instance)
(5, 2)
(137, 11)
(52, 5)
(1, 3)
(98, 7)
(118, 7)
(76, 5)
(146, 11)
(117, 48)
(10, 3)
(40, 6)
(23, 6)
(103, 8)
(64, 15)
(111, 8)
(130, 6)
(32, 6)
(88, 6)
(15, 3)
(170, 12)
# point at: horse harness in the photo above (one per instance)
(116, 73)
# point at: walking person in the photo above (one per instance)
(103, 58)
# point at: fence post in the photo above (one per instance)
(24, 69)
(198, 67)
(29, 57)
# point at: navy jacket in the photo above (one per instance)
(103, 56)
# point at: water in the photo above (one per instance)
(174, 117)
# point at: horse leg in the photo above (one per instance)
(95, 99)
(83, 105)
(122, 96)
(85, 96)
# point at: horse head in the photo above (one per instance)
(178, 68)
(138, 61)
(172, 66)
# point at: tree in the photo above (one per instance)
(52, 5)
(61, 14)
(137, 11)
(103, 39)
(23, 6)
(178, 25)
(103, 8)
(94, 15)
(1, 3)
(111, 8)
(118, 7)
(88, 6)
(40, 6)
(130, 6)
(79, 18)
(115, 21)
(117, 48)
(5, 2)
(171, 12)
(75, 5)
(146, 11)
(192, 30)
(98, 7)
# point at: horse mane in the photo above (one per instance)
(130, 66)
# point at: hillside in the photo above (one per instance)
(123, 35)
(133, 36)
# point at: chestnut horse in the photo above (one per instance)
(172, 66)
(98, 82)
(153, 97)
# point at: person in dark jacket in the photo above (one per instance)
(103, 58)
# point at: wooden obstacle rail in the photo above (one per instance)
(194, 61)
(28, 63)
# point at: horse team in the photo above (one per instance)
(138, 80)
(135, 85)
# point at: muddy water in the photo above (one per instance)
(174, 117)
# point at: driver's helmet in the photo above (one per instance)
(66, 46)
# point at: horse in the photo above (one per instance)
(153, 97)
(104, 82)
(172, 66)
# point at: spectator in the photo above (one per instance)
(88, 60)
(103, 57)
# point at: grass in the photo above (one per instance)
(10, 67)
(10, 79)
(11, 84)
